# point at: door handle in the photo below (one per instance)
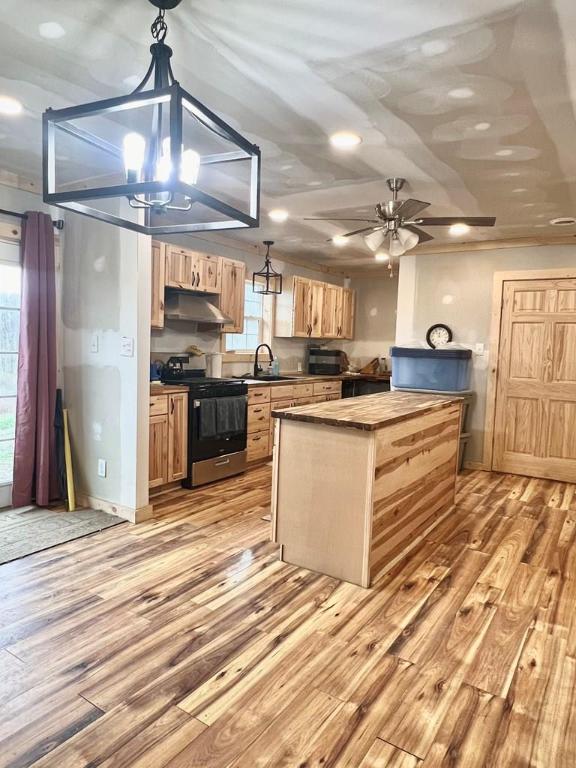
(197, 278)
(193, 278)
(172, 406)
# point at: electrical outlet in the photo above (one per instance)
(479, 348)
(299, 367)
(101, 467)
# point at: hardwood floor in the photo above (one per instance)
(184, 642)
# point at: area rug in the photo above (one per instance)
(30, 529)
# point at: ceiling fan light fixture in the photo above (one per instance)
(408, 239)
(375, 239)
(396, 247)
(151, 161)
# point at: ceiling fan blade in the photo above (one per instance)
(447, 221)
(423, 237)
(410, 208)
(314, 218)
(359, 231)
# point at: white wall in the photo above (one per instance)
(106, 296)
(376, 299)
(456, 289)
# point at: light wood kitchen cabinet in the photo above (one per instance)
(232, 294)
(158, 451)
(301, 307)
(158, 283)
(348, 299)
(332, 312)
(177, 436)
(193, 271)
(263, 400)
(316, 310)
(179, 268)
(168, 436)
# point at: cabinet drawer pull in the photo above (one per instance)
(172, 406)
(193, 278)
(256, 438)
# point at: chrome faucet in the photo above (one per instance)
(257, 368)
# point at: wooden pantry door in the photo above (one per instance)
(535, 420)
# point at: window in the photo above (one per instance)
(10, 275)
(253, 323)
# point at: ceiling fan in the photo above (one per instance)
(397, 223)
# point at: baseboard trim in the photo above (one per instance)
(476, 465)
(133, 515)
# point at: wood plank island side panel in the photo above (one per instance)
(322, 506)
(414, 483)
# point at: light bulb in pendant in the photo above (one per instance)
(189, 166)
(133, 151)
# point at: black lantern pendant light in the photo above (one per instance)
(155, 161)
(267, 280)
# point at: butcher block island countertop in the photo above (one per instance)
(359, 482)
(369, 412)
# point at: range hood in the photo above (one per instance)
(194, 309)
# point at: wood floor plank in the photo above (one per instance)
(384, 755)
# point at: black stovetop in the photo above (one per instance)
(202, 386)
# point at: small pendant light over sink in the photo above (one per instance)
(267, 280)
(155, 161)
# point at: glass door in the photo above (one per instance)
(10, 281)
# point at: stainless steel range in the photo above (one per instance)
(217, 423)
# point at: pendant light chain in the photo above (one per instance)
(159, 28)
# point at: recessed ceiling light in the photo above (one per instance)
(314, 183)
(518, 190)
(461, 93)
(340, 240)
(286, 167)
(459, 229)
(563, 221)
(51, 30)
(505, 152)
(435, 47)
(345, 140)
(10, 106)
(528, 205)
(511, 173)
(279, 215)
(381, 256)
(482, 126)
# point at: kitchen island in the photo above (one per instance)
(358, 482)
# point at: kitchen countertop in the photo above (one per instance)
(157, 388)
(369, 412)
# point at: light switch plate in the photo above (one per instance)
(127, 346)
(479, 348)
(94, 343)
(101, 467)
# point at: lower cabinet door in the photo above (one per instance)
(177, 436)
(158, 453)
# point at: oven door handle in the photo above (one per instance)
(221, 463)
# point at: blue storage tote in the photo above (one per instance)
(441, 369)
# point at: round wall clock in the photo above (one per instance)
(438, 335)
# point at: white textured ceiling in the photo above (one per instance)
(287, 73)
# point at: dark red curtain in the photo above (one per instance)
(35, 478)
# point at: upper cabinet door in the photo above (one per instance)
(208, 273)
(316, 308)
(232, 294)
(301, 307)
(332, 312)
(348, 307)
(158, 284)
(180, 268)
